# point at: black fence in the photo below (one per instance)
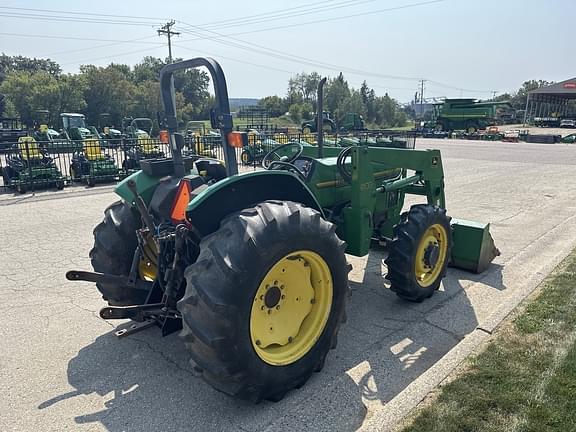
(30, 165)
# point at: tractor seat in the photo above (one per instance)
(29, 149)
(92, 150)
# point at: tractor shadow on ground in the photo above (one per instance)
(145, 382)
(406, 339)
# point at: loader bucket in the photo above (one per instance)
(473, 247)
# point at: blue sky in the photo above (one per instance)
(463, 47)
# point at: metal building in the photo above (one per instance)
(546, 106)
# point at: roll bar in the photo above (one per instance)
(220, 116)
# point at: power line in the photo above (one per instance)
(279, 16)
(108, 56)
(219, 56)
(74, 19)
(42, 36)
(81, 13)
(237, 43)
(412, 5)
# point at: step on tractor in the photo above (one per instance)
(138, 143)
(30, 167)
(93, 165)
(251, 268)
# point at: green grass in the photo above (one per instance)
(525, 379)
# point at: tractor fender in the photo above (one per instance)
(209, 208)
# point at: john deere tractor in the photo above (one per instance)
(351, 121)
(251, 268)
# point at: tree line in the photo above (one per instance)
(339, 98)
(28, 85)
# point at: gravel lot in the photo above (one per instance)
(62, 368)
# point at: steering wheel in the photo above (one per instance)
(341, 165)
(267, 160)
(284, 162)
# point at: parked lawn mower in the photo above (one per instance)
(139, 144)
(30, 167)
(110, 137)
(254, 151)
(92, 165)
(49, 138)
(252, 267)
(201, 141)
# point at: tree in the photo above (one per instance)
(25, 64)
(106, 91)
(337, 92)
(275, 105)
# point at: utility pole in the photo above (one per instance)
(494, 94)
(422, 98)
(166, 29)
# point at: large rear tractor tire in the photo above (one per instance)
(114, 245)
(265, 299)
(420, 252)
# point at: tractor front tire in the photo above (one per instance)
(114, 245)
(265, 299)
(419, 253)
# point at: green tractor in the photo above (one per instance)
(251, 268)
(30, 167)
(349, 123)
(328, 125)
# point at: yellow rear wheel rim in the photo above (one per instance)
(435, 237)
(291, 308)
(148, 264)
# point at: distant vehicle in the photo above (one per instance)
(467, 114)
(10, 130)
(568, 123)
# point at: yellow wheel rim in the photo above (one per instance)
(148, 265)
(306, 131)
(431, 255)
(291, 308)
(245, 158)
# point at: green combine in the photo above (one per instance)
(251, 268)
(467, 114)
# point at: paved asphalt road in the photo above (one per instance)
(61, 367)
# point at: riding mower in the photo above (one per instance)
(251, 268)
(109, 136)
(92, 165)
(30, 167)
(254, 150)
(200, 141)
(139, 144)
